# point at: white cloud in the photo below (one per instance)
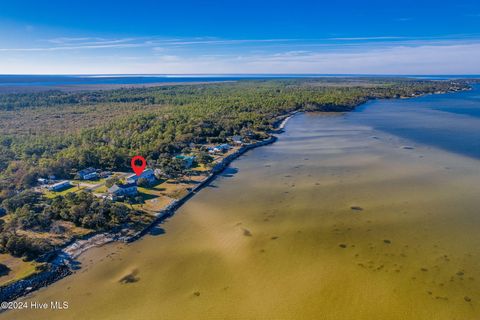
(367, 38)
(409, 56)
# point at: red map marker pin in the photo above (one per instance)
(138, 169)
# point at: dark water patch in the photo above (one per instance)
(356, 208)
(229, 172)
(132, 277)
(247, 233)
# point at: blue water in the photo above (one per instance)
(61, 80)
(448, 121)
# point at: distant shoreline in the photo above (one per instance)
(14, 84)
(93, 87)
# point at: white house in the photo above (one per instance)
(222, 148)
(146, 174)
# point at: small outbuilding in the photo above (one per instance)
(60, 185)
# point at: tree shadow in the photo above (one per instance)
(147, 196)
(4, 270)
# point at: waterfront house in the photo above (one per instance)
(187, 160)
(222, 148)
(237, 139)
(121, 190)
(59, 185)
(147, 174)
(87, 174)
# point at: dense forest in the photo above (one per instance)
(58, 133)
(30, 211)
(161, 121)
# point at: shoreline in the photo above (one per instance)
(63, 262)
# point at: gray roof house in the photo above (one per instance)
(237, 139)
(87, 174)
(120, 190)
(146, 174)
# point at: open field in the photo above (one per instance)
(19, 269)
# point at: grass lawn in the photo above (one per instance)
(92, 182)
(154, 204)
(19, 269)
(200, 168)
(101, 189)
(158, 196)
(53, 194)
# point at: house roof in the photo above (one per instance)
(117, 187)
(223, 146)
(86, 171)
(146, 173)
(59, 184)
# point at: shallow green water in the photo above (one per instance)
(337, 220)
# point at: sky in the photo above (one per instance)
(240, 36)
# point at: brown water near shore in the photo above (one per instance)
(334, 221)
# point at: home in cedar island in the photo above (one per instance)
(187, 160)
(87, 174)
(121, 190)
(59, 186)
(147, 174)
(222, 148)
(237, 139)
